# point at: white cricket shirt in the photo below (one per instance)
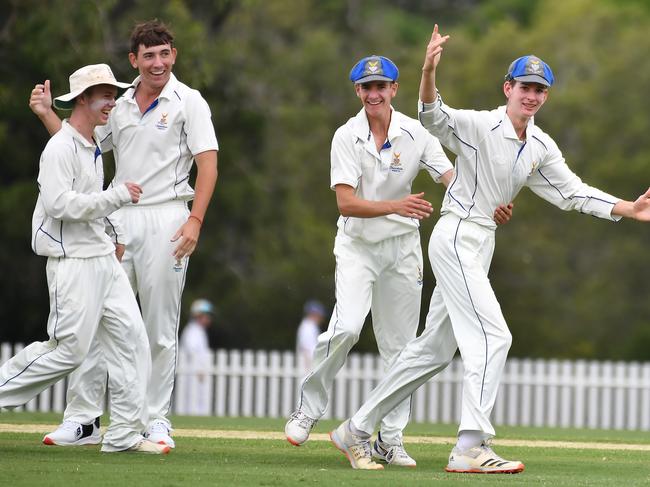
(156, 148)
(384, 175)
(70, 215)
(492, 165)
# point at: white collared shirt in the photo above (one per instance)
(384, 175)
(156, 149)
(72, 210)
(492, 165)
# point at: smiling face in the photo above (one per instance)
(376, 97)
(99, 100)
(524, 99)
(154, 65)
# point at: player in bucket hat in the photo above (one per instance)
(93, 307)
(498, 153)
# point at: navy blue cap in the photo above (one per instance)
(374, 68)
(314, 306)
(530, 69)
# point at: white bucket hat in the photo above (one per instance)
(83, 78)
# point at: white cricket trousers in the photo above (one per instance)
(464, 314)
(150, 267)
(385, 277)
(91, 302)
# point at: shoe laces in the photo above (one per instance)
(486, 447)
(303, 420)
(396, 451)
(70, 426)
(360, 448)
(159, 427)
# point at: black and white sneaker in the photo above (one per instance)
(71, 433)
(391, 454)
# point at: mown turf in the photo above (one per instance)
(26, 462)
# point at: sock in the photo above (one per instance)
(357, 432)
(469, 439)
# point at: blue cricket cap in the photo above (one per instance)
(314, 306)
(530, 69)
(374, 68)
(201, 306)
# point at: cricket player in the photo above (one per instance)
(158, 128)
(91, 301)
(375, 157)
(498, 153)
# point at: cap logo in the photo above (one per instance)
(534, 66)
(373, 67)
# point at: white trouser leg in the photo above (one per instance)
(86, 393)
(422, 358)
(395, 315)
(76, 289)
(159, 287)
(123, 339)
(355, 274)
(460, 255)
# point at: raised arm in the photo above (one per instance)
(431, 60)
(40, 102)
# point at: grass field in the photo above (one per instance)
(610, 458)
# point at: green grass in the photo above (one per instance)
(26, 462)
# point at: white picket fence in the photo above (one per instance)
(556, 393)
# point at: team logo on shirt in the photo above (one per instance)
(533, 168)
(396, 165)
(420, 278)
(162, 123)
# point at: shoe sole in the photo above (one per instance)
(342, 449)
(82, 442)
(476, 470)
(294, 442)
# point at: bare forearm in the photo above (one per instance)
(51, 121)
(361, 208)
(428, 85)
(206, 179)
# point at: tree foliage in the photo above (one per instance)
(275, 76)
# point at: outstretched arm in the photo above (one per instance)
(431, 60)
(40, 102)
(638, 209)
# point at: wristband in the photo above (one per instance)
(196, 218)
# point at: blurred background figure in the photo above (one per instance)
(308, 331)
(195, 362)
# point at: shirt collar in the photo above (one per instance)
(361, 127)
(166, 92)
(77, 136)
(508, 129)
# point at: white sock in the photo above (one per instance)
(469, 439)
(357, 432)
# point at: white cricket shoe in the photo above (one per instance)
(146, 446)
(71, 433)
(158, 432)
(392, 454)
(299, 427)
(356, 448)
(481, 459)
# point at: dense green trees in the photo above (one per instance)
(275, 75)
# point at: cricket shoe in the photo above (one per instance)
(391, 454)
(146, 446)
(299, 427)
(355, 447)
(158, 432)
(481, 459)
(71, 433)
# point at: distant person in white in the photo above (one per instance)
(308, 331)
(196, 361)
